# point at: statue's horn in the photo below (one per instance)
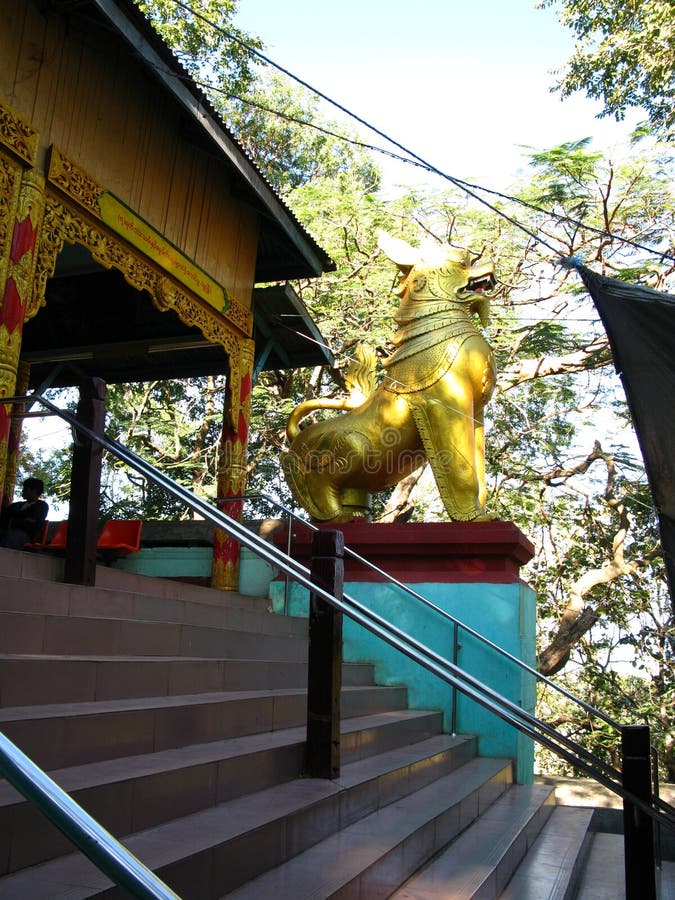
(398, 250)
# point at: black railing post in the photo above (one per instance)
(325, 657)
(85, 486)
(638, 831)
(455, 658)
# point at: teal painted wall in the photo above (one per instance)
(503, 613)
(195, 562)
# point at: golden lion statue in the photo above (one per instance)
(429, 404)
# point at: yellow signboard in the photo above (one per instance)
(149, 241)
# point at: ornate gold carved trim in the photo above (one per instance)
(63, 224)
(74, 181)
(10, 183)
(79, 186)
(170, 296)
(10, 347)
(18, 135)
(30, 208)
(239, 316)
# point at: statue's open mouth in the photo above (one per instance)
(482, 283)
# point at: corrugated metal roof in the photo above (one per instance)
(287, 250)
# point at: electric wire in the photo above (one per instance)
(414, 158)
(306, 124)
(411, 158)
(459, 182)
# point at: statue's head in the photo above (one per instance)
(437, 271)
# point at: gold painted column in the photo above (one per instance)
(15, 429)
(232, 465)
(18, 271)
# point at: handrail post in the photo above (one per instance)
(289, 539)
(638, 831)
(325, 657)
(455, 657)
(85, 487)
(657, 825)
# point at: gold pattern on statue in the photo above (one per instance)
(74, 181)
(429, 404)
(18, 135)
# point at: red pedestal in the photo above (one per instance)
(437, 552)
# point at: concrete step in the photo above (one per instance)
(482, 859)
(59, 735)
(379, 803)
(33, 680)
(603, 876)
(29, 680)
(371, 857)
(44, 567)
(138, 792)
(24, 595)
(30, 565)
(65, 635)
(552, 865)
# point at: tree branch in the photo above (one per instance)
(592, 356)
(578, 617)
(399, 507)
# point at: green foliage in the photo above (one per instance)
(627, 671)
(624, 56)
(176, 425)
(561, 462)
(203, 42)
(281, 127)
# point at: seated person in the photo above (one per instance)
(22, 521)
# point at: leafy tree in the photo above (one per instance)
(282, 128)
(624, 56)
(560, 460)
(204, 40)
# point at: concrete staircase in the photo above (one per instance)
(175, 716)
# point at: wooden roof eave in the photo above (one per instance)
(316, 259)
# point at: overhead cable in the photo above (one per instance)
(412, 157)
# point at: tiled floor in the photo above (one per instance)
(603, 876)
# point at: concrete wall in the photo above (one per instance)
(503, 613)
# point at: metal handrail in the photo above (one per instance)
(471, 687)
(104, 850)
(387, 576)
(457, 624)
(117, 862)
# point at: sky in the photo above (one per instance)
(463, 85)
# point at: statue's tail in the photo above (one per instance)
(360, 380)
(307, 407)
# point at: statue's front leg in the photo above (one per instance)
(479, 455)
(447, 429)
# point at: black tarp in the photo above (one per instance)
(640, 325)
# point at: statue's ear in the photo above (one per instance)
(398, 250)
